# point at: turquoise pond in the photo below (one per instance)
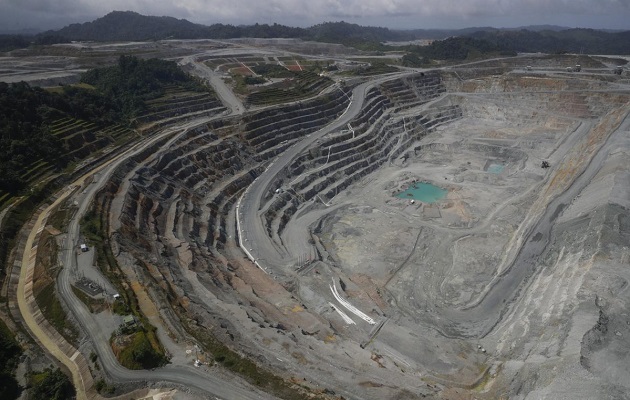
(495, 168)
(424, 192)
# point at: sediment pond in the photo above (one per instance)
(424, 192)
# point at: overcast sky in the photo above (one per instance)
(397, 14)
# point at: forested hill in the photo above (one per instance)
(114, 95)
(127, 25)
(340, 32)
(589, 41)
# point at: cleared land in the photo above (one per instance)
(445, 284)
(512, 285)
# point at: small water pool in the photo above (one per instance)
(495, 168)
(424, 192)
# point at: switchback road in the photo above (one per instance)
(185, 376)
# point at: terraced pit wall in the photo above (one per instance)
(173, 207)
(186, 193)
(176, 211)
(378, 135)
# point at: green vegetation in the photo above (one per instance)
(376, 68)
(60, 217)
(123, 26)
(31, 145)
(130, 83)
(52, 117)
(272, 71)
(141, 350)
(304, 84)
(60, 89)
(91, 226)
(51, 385)
(10, 352)
(128, 25)
(453, 49)
(414, 60)
(254, 80)
(247, 368)
(352, 34)
(136, 347)
(12, 42)
(24, 136)
(136, 352)
(17, 216)
(102, 387)
(587, 41)
(44, 277)
(46, 132)
(54, 313)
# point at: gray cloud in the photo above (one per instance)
(408, 13)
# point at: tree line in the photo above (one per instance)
(453, 49)
(128, 25)
(119, 93)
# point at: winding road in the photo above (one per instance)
(225, 94)
(252, 238)
(480, 317)
(184, 376)
(187, 376)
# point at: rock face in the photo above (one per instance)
(482, 292)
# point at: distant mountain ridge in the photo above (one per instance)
(128, 25)
(575, 40)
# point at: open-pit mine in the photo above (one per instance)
(459, 232)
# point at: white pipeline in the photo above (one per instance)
(344, 316)
(349, 306)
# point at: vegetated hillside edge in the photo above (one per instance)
(128, 25)
(44, 133)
